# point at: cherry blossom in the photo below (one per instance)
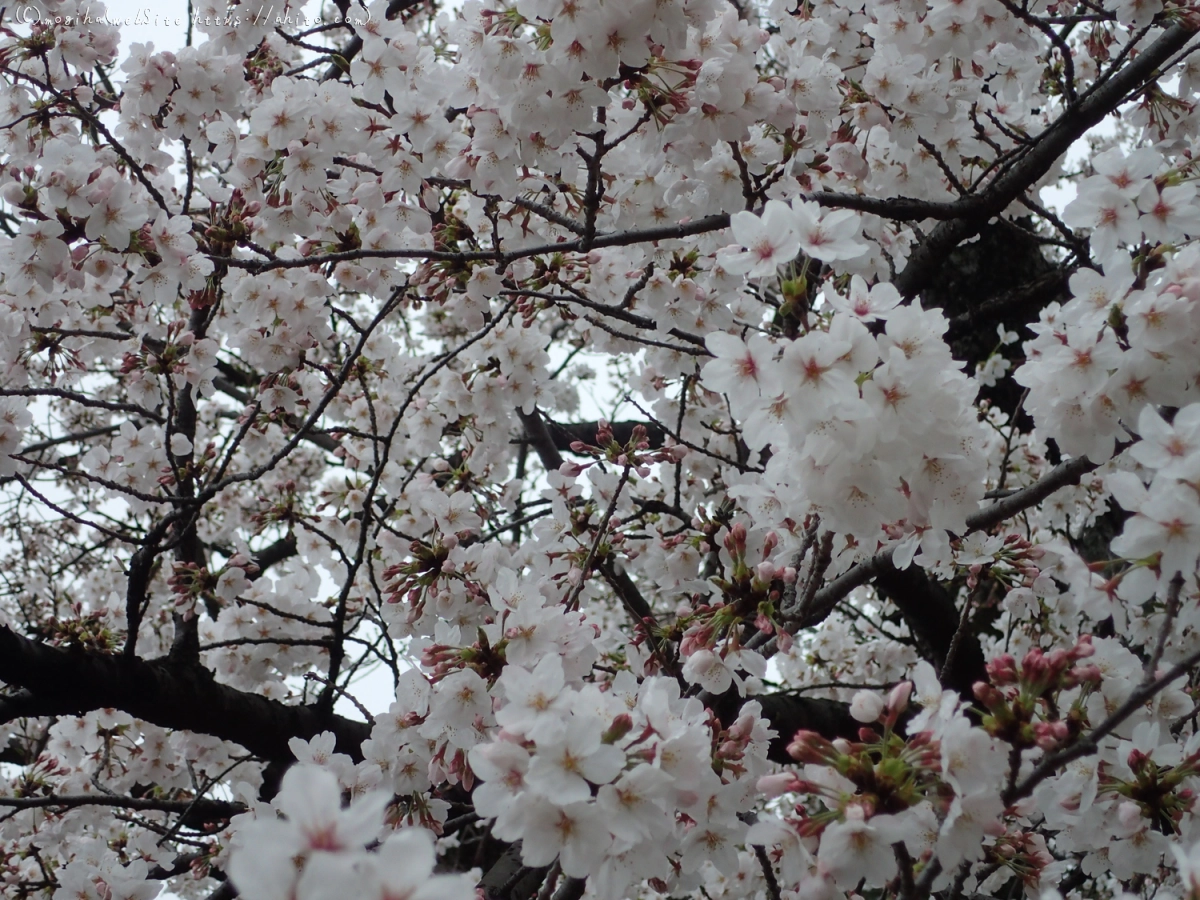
(657, 448)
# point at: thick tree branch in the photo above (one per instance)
(198, 810)
(564, 434)
(541, 440)
(933, 618)
(1039, 157)
(789, 713)
(1031, 296)
(829, 596)
(273, 554)
(73, 682)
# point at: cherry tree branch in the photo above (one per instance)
(1037, 158)
(58, 681)
(200, 809)
(1062, 475)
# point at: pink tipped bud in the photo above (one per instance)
(1035, 667)
(735, 541)
(994, 827)
(620, 727)
(987, 695)
(742, 728)
(1002, 670)
(774, 785)
(1086, 675)
(1049, 735)
(897, 701)
(730, 750)
(810, 747)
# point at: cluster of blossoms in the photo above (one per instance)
(626, 784)
(317, 849)
(948, 789)
(297, 329)
(1124, 341)
(874, 433)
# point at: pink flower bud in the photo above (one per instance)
(742, 728)
(621, 726)
(810, 747)
(897, 701)
(1002, 670)
(1049, 735)
(774, 785)
(987, 695)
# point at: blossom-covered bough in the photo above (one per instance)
(881, 580)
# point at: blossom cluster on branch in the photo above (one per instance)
(880, 581)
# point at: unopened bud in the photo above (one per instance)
(810, 747)
(774, 785)
(866, 707)
(620, 727)
(897, 701)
